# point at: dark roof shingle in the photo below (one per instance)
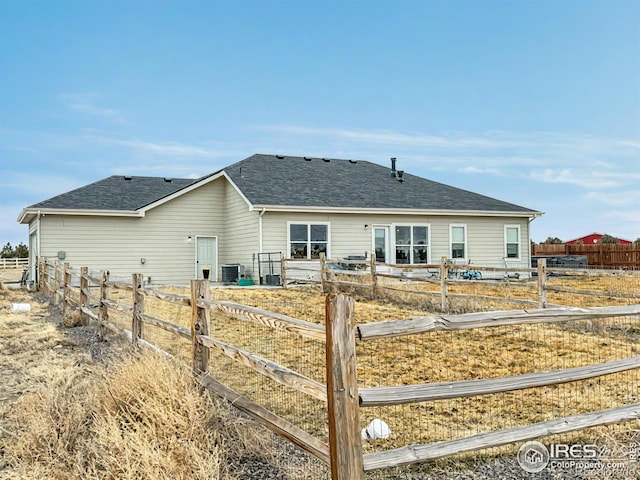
(291, 181)
(317, 182)
(116, 193)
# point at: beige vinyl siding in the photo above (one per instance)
(485, 240)
(349, 236)
(240, 241)
(118, 244)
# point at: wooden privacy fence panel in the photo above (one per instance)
(601, 255)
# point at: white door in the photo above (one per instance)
(207, 258)
(381, 244)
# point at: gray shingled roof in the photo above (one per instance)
(317, 182)
(116, 193)
(291, 181)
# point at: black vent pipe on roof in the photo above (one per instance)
(400, 175)
(393, 167)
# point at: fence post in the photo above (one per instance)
(374, 276)
(84, 299)
(444, 289)
(345, 444)
(103, 313)
(323, 267)
(138, 308)
(199, 324)
(66, 286)
(283, 272)
(39, 284)
(56, 283)
(542, 282)
(43, 277)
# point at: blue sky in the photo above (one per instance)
(534, 102)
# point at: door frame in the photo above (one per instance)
(387, 230)
(214, 273)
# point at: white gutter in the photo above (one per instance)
(77, 212)
(398, 211)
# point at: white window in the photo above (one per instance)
(412, 244)
(308, 240)
(512, 242)
(458, 241)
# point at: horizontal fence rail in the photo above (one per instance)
(6, 263)
(420, 453)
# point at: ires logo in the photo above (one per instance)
(534, 457)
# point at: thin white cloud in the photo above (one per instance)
(617, 199)
(165, 149)
(39, 185)
(87, 103)
(385, 137)
(572, 177)
(471, 170)
(570, 145)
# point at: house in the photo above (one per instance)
(593, 239)
(173, 230)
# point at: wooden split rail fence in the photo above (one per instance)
(368, 274)
(343, 453)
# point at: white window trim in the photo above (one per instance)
(519, 257)
(307, 223)
(393, 244)
(466, 244)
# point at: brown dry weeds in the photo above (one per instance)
(71, 408)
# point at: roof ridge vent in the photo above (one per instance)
(128, 178)
(280, 156)
(168, 180)
(353, 161)
(308, 159)
(327, 160)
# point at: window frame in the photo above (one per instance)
(411, 245)
(309, 242)
(465, 242)
(506, 243)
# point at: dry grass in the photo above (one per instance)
(67, 415)
(144, 418)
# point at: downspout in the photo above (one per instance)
(260, 229)
(34, 268)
